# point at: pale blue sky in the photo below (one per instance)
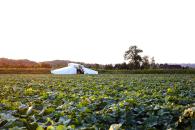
(97, 31)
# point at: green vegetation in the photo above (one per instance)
(137, 102)
(100, 71)
(148, 71)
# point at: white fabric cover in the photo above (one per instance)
(65, 70)
(72, 69)
(75, 65)
(89, 71)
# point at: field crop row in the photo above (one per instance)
(134, 102)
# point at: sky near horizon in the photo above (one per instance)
(97, 31)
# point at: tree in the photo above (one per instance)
(145, 62)
(121, 66)
(133, 56)
(152, 63)
(108, 67)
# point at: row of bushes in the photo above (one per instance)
(149, 71)
(25, 70)
(102, 71)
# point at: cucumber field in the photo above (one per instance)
(97, 102)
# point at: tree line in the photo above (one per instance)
(135, 61)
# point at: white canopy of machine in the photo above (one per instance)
(74, 68)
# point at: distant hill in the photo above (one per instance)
(57, 63)
(25, 63)
(60, 63)
(10, 63)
